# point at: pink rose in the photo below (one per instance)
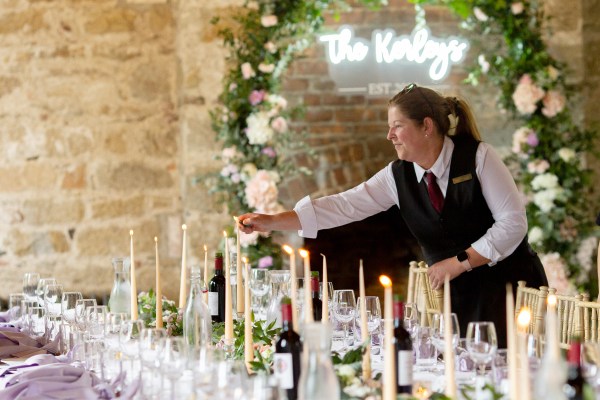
(268, 20)
(279, 125)
(266, 68)
(256, 97)
(265, 262)
(517, 8)
(261, 191)
(270, 47)
(553, 102)
(526, 95)
(269, 152)
(247, 71)
(532, 139)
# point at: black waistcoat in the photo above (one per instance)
(465, 216)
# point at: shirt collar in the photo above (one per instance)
(441, 164)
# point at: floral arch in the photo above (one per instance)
(548, 149)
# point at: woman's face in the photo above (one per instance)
(408, 138)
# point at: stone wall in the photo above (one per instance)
(104, 127)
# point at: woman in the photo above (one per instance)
(456, 196)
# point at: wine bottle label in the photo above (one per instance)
(405, 366)
(284, 370)
(213, 303)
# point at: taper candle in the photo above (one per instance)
(134, 303)
(239, 287)
(308, 308)
(158, 290)
(552, 328)
(228, 308)
(325, 295)
(206, 273)
(511, 345)
(294, 284)
(448, 347)
(523, 320)
(183, 281)
(389, 372)
(248, 342)
(364, 326)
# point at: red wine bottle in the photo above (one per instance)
(576, 387)
(404, 350)
(216, 291)
(288, 348)
(316, 301)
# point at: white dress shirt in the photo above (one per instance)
(379, 193)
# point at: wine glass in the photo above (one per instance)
(482, 343)
(81, 306)
(69, 304)
(259, 286)
(344, 306)
(173, 361)
(30, 283)
(41, 287)
(151, 344)
(53, 298)
(411, 318)
(15, 311)
(96, 318)
(438, 324)
(373, 309)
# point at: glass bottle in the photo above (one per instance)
(576, 387)
(216, 291)
(120, 295)
(288, 348)
(317, 303)
(280, 287)
(197, 321)
(317, 377)
(404, 350)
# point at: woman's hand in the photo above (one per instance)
(437, 272)
(253, 222)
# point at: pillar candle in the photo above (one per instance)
(206, 273)
(389, 377)
(511, 345)
(248, 342)
(183, 281)
(308, 308)
(240, 288)
(228, 308)
(294, 284)
(524, 383)
(364, 327)
(159, 310)
(448, 347)
(134, 303)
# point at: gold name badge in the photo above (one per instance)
(462, 178)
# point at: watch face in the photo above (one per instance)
(462, 256)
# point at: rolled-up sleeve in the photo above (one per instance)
(377, 194)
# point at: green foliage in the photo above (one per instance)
(172, 318)
(515, 59)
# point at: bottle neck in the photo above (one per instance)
(574, 354)
(286, 317)
(314, 285)
(219, 266)
(398, 312)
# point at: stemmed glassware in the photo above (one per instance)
(259, 286)
(69, 304)
(30, 283)
(151, 345)
(53, 299)
(173, 361)
(81, 306)
(411, 318)
(439, 331)
(373, 308)
(482, 343)
(41, 288)
(344, 306)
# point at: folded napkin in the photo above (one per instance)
(14, 343)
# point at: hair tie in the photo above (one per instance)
(453, 124)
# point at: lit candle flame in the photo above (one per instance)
(205, 248)
(524, 318)
(131, 232)
(245, 260)
(287, 248)
(303, 253)
(552, 300)
(155, 239)
(184, 227)
(385, 281)
(225, 234)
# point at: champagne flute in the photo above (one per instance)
(482, 343)
(344, 306)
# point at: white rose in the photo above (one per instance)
(268, 20)
(544, 181)
(566, 154)
(259, 130)
(346, 371)
(266, 68)
(517, 8)
(536, 235)
(248, 171)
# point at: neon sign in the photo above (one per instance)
(390, 56)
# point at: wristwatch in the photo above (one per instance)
(463, 258)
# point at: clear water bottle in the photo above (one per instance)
(197, 321)
(317, 377)
(120, 295)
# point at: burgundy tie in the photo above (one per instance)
(435, 193)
